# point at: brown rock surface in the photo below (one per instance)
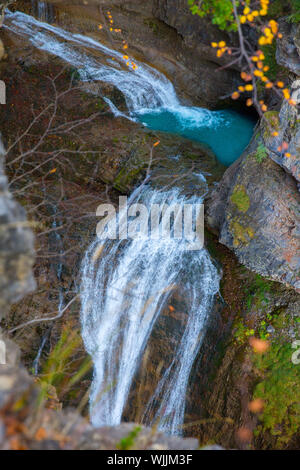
(255, 210)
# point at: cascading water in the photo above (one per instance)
(123, 293)
(127, 283)
(143, 88)
(44, 11)
(150, 96)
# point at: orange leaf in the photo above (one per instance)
(259, 345)
(41, 434)
(235, 95)
(256, 406)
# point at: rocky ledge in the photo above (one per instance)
(255, 208)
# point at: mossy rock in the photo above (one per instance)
(272, 124)
(241, 234)
(240, 198)
(280, 391)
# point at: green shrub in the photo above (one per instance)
(280, 390)
(261, 153)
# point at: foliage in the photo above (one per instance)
(61, 370)
(295, 16)
(242, 332)
(240, 198)
(261, 153)
(128, 442)
(257, 290)
(257, 61)
(220, 11)
(270, 61)
(280, 391)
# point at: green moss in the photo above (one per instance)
(242, 332)
(241, 235)
(280, 390)
(295, 16)
(152, 24)
(128, 442)
(129, 174)
(272, 124)
(240, 198)
(261, 153)
(256, 291)
(270, 60)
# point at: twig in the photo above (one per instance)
(37, 320)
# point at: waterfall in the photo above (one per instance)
(143, 88)
(150, 97)
(127, 283)
(123, 293)
(43, 10)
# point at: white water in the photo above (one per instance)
(144, 88)
(123, 294)
(125, 289)
(43, 10)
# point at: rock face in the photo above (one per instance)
(287, 124)
(16, 247)
(255, 210)
(54, 429)
(288, 47)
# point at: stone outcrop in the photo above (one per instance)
(16, 247)
(287, 124)
(255, 210)
(288, 47)
(24, 425)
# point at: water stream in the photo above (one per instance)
(127, 283)
(150, 96)
(123, 294)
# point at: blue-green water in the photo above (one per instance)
(226, 132)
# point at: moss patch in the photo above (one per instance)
(272, 124)
(280, 391)
(240, 198)
(241, 234)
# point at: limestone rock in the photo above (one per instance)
(66, 429)
(287, 124)
(255, 211)
(16, 247)
(288, 47)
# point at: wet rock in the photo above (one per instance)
(288, 47)
(255, 211)
(287, 124)
(55, 429)
(16, 247)
(110, 438)
(176, 161)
